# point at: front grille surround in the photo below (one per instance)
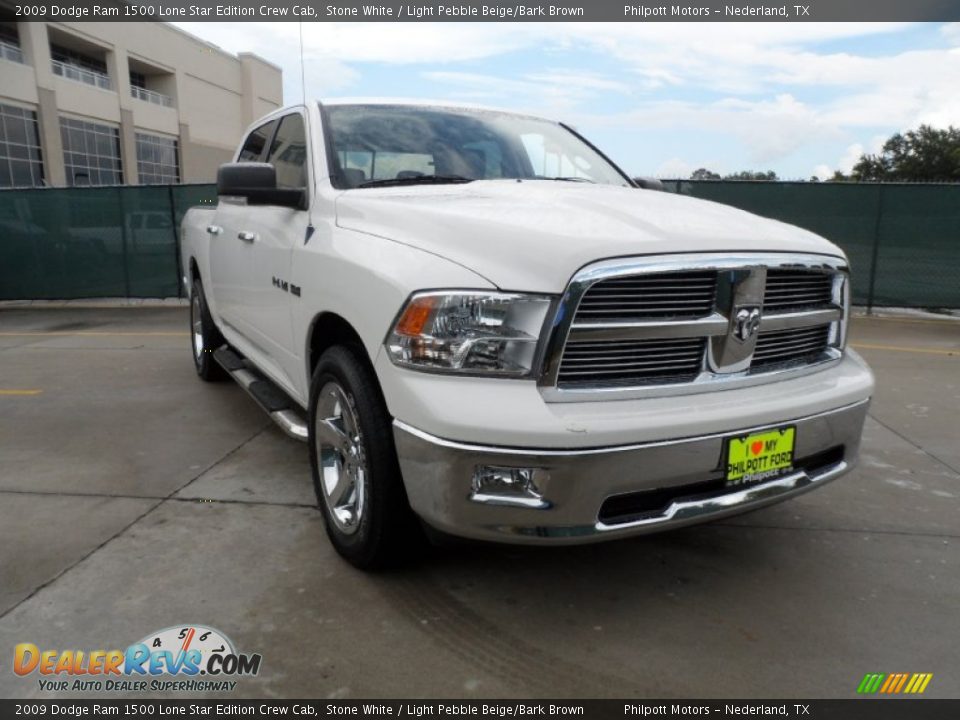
(801, 303)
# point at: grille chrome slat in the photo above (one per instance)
(786, 351)
(660, 296)
(630, 373)
(790, 289)
(788, 348)
(636, 361)
(595, 354)
(624, 360)
(630, 364)
(790, 345)
(667, 353)
(800, 337)
(714, 324)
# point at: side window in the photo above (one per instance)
(288, 153)
(256, 141)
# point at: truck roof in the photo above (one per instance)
(412, 102)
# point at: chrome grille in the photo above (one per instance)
(632, 361)
(635, 297)
(788, 289)
(794, 345)
(670, 324)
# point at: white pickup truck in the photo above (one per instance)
(481, 325)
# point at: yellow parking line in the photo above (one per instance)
(91, 333)
(897, 348)
(20, 392)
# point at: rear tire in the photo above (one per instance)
(204, 336)
(354, 464)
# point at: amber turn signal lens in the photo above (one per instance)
(416, 315)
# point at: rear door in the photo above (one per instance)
(231, 257)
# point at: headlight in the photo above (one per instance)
(476, 333)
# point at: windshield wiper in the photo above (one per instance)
(417, 180)
(566, 179)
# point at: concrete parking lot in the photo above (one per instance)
(134, 497)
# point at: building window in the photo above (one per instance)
(80, 67)
(10, 43)
(91, 153)
(157, 160)
(21, 163)
(78, 59)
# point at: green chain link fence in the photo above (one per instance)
(903, 240)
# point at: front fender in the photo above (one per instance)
(365, 279)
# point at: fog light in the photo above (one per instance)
(495, 484)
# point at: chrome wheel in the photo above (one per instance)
(343, 464)
(196, 322)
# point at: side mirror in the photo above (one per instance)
(257, 182)
(647, 183)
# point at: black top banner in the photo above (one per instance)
(489, 10)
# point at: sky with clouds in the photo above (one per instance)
(661, 99)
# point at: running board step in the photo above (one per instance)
(281, 409)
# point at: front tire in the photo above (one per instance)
(354, 463)
(204, 336)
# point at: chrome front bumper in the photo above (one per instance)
(580, 491)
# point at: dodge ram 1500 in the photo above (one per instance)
(479, 323)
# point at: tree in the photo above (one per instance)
(704, 174)
(752, 175)
(922, 155)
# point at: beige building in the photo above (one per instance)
(91, 103)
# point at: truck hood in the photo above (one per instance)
(534, 235)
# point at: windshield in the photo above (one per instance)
(399, 145)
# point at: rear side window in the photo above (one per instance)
(288, 153)
(256, 142)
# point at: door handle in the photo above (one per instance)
(247, 236)
(214, 229)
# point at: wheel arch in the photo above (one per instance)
(326, 330)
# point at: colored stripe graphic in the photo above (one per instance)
(870, 683)
(894, 683)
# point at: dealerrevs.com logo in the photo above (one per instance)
(185, 657)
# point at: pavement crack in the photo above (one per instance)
(79, 560)
(855, 531)
(922, 449)
(159, 498)
(125, 528)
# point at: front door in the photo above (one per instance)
(274, 232)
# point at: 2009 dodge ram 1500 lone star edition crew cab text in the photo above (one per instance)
(476, 320)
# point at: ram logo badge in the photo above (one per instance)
(746, 323)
